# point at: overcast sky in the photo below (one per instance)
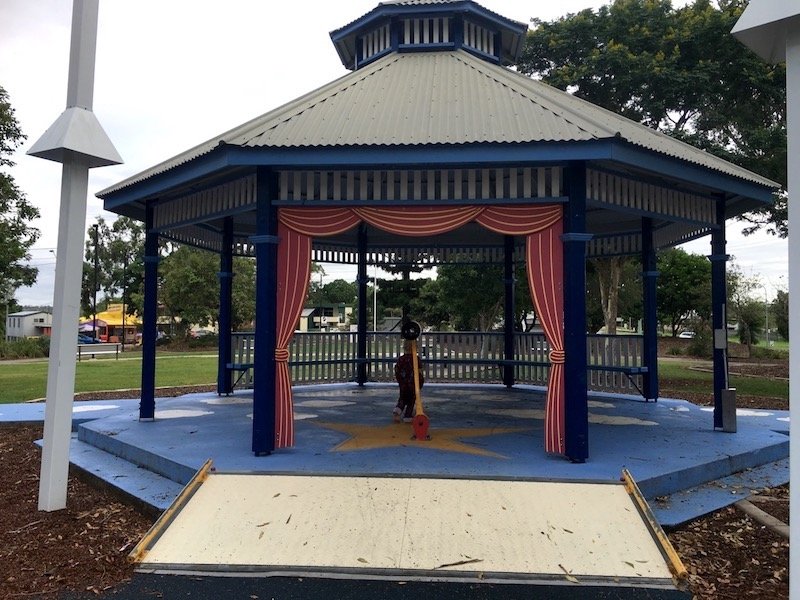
(173, 73)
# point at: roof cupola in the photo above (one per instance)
(429, 25)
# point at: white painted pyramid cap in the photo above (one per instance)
(77, 130)
(765, 25)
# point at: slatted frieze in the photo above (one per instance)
(479, 38)
(616, 190)
(443, 185)
(426, 31)
(202, 205)
(375, 42)
(195, 236)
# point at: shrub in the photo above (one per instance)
(27, 348)
(674, 351)
(768, 353)
(701, 345)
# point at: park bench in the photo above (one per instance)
(91, 350)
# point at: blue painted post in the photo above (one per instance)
(362, 279)
(266, 243)
(147, 406)
(224, 374)
(719, 302)
(650, 320)
(576, 392)
(508, 338)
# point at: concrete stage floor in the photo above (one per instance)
(683, 467)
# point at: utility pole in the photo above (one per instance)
(96, 266)
(124, 289)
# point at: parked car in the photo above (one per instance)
(686, 335)
(87, 339)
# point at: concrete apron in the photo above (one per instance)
(521, 533)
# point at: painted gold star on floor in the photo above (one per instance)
(368, 437)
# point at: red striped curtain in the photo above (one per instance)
(294, 269)
(542, 224)
(545, 265)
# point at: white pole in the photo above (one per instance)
(793, 170)
(66, 310)
(375, 298)
(78, 142)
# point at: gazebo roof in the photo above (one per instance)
(440, 98)
(430, 102)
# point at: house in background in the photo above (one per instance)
(110, 324)
(326, 317)
(28, 324)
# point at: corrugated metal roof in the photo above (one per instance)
(409, 99)
(29, 313)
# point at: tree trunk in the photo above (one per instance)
(609, 273)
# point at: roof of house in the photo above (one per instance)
(28, 313)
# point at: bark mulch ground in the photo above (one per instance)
(83, 550)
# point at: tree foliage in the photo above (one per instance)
(120, 273)
(613, 289)
(780, 310)
(678, 71)
(473, 295)
(190, 288)
(749, 313)
(684, 288)
(16, 213)
(243, 294)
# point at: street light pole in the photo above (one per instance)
(94, 301)
(124, 288)
(766, 314)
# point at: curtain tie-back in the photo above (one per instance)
(557, 357)
(281, 355)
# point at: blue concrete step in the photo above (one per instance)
(689, 477)
(153, 491)
(683, 506)
(138, 455)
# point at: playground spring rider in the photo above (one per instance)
(410, 331)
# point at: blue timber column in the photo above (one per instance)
(576, 404)
(719, 309)
(508, 338)
(224, 379)
(266, 243)
(650, 321)
(147, 406)
(361, 334)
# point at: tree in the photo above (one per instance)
(243, 294)
(16, 212)
(675, 70)
(748, 312)
(339, 291)
(684, 288)
(473, 294)
(120, 273)
(190, 288)
(780, 311)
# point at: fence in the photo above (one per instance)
(447, 357)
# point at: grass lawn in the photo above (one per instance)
(27, 380)
(701, 381)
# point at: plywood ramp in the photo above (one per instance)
(407, 526)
